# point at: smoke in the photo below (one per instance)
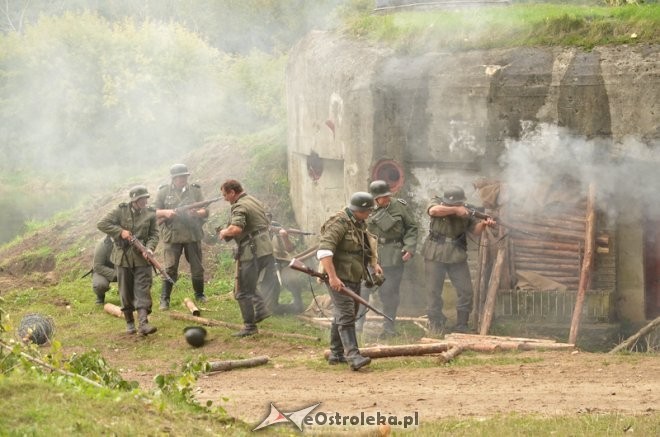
(94, 93)
(548, 159)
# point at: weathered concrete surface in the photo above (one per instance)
(448, 118)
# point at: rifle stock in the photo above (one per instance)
(298, 265)
(150, 258)
(291, 231)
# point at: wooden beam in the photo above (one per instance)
(587, 263)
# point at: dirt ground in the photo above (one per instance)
(552, 383)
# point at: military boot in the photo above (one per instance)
(100, 297)
(165, 294)
(349, 340)
(198, 286)
(130, 322)
(145, 328)
(261, 311)
(247, 312)
(462, 318)
(336, 347)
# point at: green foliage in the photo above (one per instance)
(93, 366)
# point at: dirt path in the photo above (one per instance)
(559, 383)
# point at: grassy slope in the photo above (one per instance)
(511, 26)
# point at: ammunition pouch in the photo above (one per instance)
(460, 241)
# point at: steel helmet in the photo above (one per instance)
(138, 192)
(361, 201)
(379, 189)
(179, 170)
(453, 196)
(195, 335)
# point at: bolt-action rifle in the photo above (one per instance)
(150, 257)
(275, 227)
(298, 265)
(475, 212)
(190, 206)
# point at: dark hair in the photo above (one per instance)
(231, 185)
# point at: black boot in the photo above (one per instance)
(349, 340)
(336, 347)
(261, 311)
(462, 318)
(145, 328)
(165, 294)
(100, 297)
(130, 322)
(198, 286)
(247, 312)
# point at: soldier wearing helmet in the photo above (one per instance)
(345, 251)
(134, 273)
(445, 254)
(394, 225)
(181, 232)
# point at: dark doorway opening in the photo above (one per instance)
(652, 268)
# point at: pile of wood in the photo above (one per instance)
(453, 344)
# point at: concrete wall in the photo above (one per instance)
(449, 118)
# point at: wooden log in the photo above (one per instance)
(458, 336)
(217, 366)
(573, 225)
(401, 350)
(628, 342)
(493, 285)
(212, 322)
(545, 259)
(472, 345)
(450, 354)
(191, 307)
(113, 310)
(481, 255)
(322, 322)
(543, 244)
(548, 253)
(555, 267)
(587, 263)
(548, 232)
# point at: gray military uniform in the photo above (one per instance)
(254, 254)
(396, 229)
(103, 271)
(134, 273)
(445, 253)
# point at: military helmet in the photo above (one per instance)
(453, 196)
(179, 170)
(361, 201)
(195, 335)
(138, 192)
(379, 189)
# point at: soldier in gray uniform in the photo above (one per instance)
(103, 271)
(445, 253)
(182, 232)
(396, 229)
(344, 252)
(248, 226)
(134, 273)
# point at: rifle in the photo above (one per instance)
(275, 227)
(194, 205)
(88, 273)
(150, 257)
(475, 212)
(298, 265)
